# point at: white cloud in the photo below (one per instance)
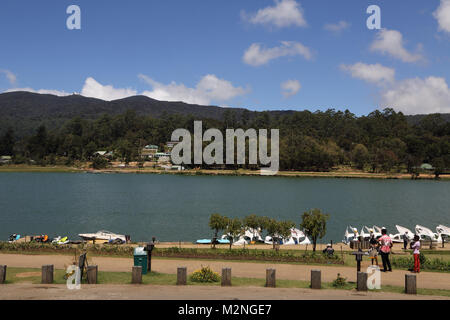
(419, 96)
(41, 91)
(285, 13)
(290, 88)
(10, 76)
(391, 42)
(442, 15)
(256, 55)
(373, 73)
(209, 88)
(337, 27)
(411, 96)
(94, 89)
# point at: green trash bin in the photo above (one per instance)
(140, 259)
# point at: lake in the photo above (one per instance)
(177, 208)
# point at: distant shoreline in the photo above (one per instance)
(241, 172)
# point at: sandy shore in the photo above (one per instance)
(429, 280)
(154, 292)
(134, 169)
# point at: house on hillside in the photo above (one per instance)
(5, 159)
(149, 151)
(105, 154)
(169, 145)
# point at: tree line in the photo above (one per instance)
(314, 225)
(382, 141)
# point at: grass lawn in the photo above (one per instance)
(32, 275)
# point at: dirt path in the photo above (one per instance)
(151, 292)
(431, 280)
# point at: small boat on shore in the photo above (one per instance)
(398, 237)
(297, 237)
(443, 230)
(426, 234)
(209, 241)
(103, 236)
(351, 235)
(60, 240)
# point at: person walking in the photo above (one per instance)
(385, 249)
(416, 246)
(405, 240)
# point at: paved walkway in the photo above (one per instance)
(431, 280)
(153, 292)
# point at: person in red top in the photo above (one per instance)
(385, 249)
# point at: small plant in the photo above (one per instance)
(340, 281)
(205, 274)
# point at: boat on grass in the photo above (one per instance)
(103, 236)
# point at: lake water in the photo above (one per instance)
(177, 208)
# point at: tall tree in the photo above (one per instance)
(217, 223)
(314, 223)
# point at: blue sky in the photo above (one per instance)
(234, 53)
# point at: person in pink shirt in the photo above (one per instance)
(416, 246)
(385, 249)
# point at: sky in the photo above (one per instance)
(255, 54)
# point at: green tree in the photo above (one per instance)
(99, 162)
(273, 228)
(439, 167)
(285, 229)
(7, 143)
(217, 223)
(314, 223)
(360, 156)
(255, 223)
(234, 229)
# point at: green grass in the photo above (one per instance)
(155, 278)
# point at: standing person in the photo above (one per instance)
(373, 252)
(405, 240)
(385, 249)
(416, 246)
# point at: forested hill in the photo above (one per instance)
(24, 112)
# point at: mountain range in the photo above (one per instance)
(25, 111)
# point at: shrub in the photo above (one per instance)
(205, 274)
(340, 281)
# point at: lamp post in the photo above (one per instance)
(358, 254)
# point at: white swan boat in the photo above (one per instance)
(297, 237)
(350, 234)
(248, 236)
(426, 234)
(398, 237)
(443, 230)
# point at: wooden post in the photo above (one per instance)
(92, 272)
(361, 282)
(2, 274)
(270, 278)
(316, 281)
(181, 276)
(226, 277)
(410, 284)
(136, 275)
(47, 274)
